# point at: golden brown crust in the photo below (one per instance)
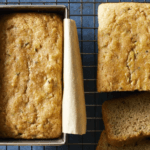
(30, 75)
(126, 120)
(123, 43)
(103, 144)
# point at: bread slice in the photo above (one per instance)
(103, 145)
(127, 120)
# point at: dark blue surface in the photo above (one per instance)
(87, 23)
(75, 8)
(12, 147)
(88, 47)
(2, 147)
(87, 32)
(25, 147)
(88, 8)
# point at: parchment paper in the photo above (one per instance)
(74, 110)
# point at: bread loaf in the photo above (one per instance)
(127, 120)
(123, 47)
(103, 144)
(31, 75)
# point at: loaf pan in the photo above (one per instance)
(60, 9)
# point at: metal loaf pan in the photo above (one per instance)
(60, 9)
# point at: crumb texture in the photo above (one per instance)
(103, 144)
(30, 75)
(124, 47)
(127, 120)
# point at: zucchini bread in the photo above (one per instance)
(30, 75)
(124, 47)
(127, 120)
(103, 144)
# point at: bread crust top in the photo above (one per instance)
(30, 75)
(124, 49)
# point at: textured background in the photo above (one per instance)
(84, 12)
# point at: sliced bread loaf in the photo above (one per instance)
(103, 145)
(127, 120)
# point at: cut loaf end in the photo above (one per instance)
(127, 120)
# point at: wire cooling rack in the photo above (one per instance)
(84, 12)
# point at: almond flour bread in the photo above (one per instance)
(127, 120)
(30, 75)
(103, 145)
(124, 47)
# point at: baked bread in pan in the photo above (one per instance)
(31, 75)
